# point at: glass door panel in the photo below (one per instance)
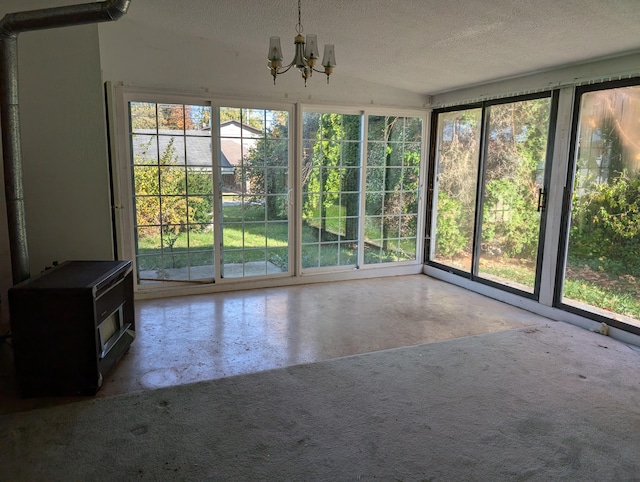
(172, 191)
(513, 181)
(330, 189)
(254, 189)
(457, 160)
(602, 272)
(392, 184)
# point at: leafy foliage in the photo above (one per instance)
(516, 146)
(162, 198)
(148, 115)
(603, 262)
(451, 238)
(606, 223)
(511, 222)
(457, 172)
(266, 169)
(332, 169)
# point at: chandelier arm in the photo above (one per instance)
(286, 69)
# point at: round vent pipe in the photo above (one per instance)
(10, 26)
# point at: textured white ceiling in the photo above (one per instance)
(422, 46)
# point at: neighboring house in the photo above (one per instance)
(236, 140)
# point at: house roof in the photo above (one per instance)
(246, 129)
(197, 150)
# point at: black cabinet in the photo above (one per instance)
(70, 325)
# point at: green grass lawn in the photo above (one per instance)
(599, 289)
(616, 301)
(248, 237)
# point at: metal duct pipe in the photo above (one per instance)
(10, 26)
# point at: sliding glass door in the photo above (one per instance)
(253, 173)
(601, 274)
(489, 191)
(172, 183)
(360, 189)
(455, 187)
(512, 192)
(201, 215)
(206, 190)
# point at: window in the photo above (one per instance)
(456, 172)
(357, 213)
(601, 275)
(489, 189)
(394, 150)
(254, 179)
(172, 191)
(331, 168)
(177, 194)
(209, 189)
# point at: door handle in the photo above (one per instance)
(541, 199)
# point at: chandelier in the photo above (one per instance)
(305, 57)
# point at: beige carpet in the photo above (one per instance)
(551, 402)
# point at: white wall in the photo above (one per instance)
(65, 162)
(65, 155)
(140, 55)
(614, 68)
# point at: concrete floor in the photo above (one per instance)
(187, 339)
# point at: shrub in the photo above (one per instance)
(606, 222)
(515, 233)
(450, 236)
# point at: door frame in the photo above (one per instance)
(565, 224)
(432, 193)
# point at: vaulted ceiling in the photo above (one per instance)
(421, 46)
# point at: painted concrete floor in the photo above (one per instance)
(187, 339)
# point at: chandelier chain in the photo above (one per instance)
(299, 27)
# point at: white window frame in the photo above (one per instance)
(118, 98)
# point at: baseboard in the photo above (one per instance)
(532, 305)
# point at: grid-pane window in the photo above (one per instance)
(254, 189)
(331, 168)
(392, 188)
(173, 191)
(212, 190)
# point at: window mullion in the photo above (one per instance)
(217, 199)
(362, 187)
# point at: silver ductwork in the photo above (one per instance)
(10, 26)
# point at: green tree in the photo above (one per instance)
(250, 117)
(517, 147)
(144, 115)
(457, 172)
(607, 223)
(401, 176)
(332, 170)
(267, 167)
(161, 197)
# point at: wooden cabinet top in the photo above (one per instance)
(93, 275)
